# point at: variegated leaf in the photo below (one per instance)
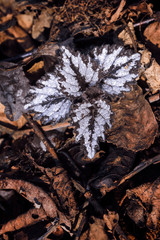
(76, 72)
(80, 86)
(47, 101)
(119, 67)
(91, 121)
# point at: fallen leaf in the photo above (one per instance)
(36, 67)
(145, 57)
(43, 21)
(135, 126)
(144, 205)
(25, 20)
(126, 36)
(97, 230)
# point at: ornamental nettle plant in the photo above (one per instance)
(81, 86)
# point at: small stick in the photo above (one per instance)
(41, 135)
(51, 229)
(144, 22)
(115, 16)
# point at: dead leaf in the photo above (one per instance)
(111, 219)
(43, 21)
(25, 20)
(126, 37)
(152, 74)
(135, 126)
(97, 230)
(152, 33)
(145, 57)
(144, 205)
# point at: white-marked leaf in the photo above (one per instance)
(47, 101)
(84, 81)
(118, 68)
(91, 120)
(75, 71)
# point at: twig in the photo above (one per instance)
(117, 13)
(51, 229)
(144, 22)
(41, 135)
(81, 226)
(19, 133)
(20, 56)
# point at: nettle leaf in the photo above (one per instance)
(80, 87)
(119, 67)
(47, 100)
(90, 121)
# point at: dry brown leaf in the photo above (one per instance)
(25, 20)
(145, 57)
(43, 21)
(153, 76)
(18, 34)
(97, 230)
(134, 127)
(152, 33)
(126, 37)
(144, 198)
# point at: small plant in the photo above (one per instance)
(81, 87)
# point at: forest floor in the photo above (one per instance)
(49, 187)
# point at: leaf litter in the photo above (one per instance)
(74, 70)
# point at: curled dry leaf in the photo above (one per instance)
(81, 87)
(37, 196)
(142, 199)
(134, 127)
(152, 74)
